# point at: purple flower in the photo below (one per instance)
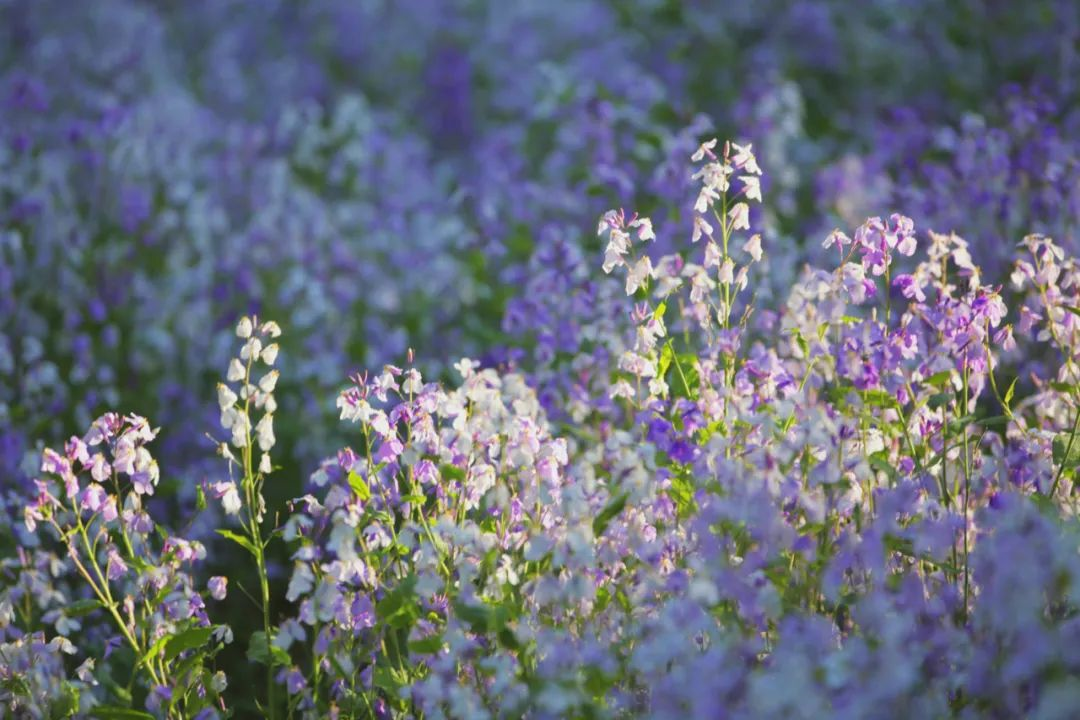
(217, 587)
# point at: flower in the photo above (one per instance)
(751, 187)
(269, 354)
(638, 275)
(740, 216)
(744, 158)
(217, 586)
(704, 149)
(753, 247)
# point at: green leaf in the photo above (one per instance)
(658, 313)
(487, 619)
(110, 712)
(940, 399)
(682, 494)
(200, 498)
(239, 540)
(666, 356)
(452, 472)
(187, 640)
(154, 650)
(15, 685)
(879, 461)
(82, 607)
(1009, 392)
(684, 380)
(398, 608)
(427, 646)
(264, 653)
(1066, 456)
(359, 486)
(67, 705)
(878, 398)
(939, 379)
(613, 508)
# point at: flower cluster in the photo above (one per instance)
(682, 477)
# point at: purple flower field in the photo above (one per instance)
(539, 359)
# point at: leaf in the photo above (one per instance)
(1009, 392)
(110, 712)
(1068, 457)
(879, 461)
(67, 705)
(82, 607)
(427, 646)
(154, 650)
(658, 313)
(613, 508)
(878, 398)
(239, 540)
(452, 472)
(359, 486)
(684, 380)
(398, 607)
(939, 379)
(264, 653)
(487, 619)
(682, 493)
(666, 356)
(939, 399)
(187, 640)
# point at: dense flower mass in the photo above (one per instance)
(794, 433)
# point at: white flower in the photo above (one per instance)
(505, 573)
(701, 227)
(264, 464)
(740, 217)
(726, 275)
(265, 432)
(705, 198)
(270, 328)
(703, 150)
(465, 367)
(637, 365)
(753, 247)
(226, 398)
(621, 389)
(713, 254)
(413, 383)
(744, 158)
(637, 276)
(251, 349)
(752, 186)
(645, 229)
(269, 381)
(609, 220)
(236, 371)
(269, 353)
(244, 328)
(240, 426)
(230, 498)
(618, 245)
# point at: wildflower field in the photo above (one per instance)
(539, 359)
